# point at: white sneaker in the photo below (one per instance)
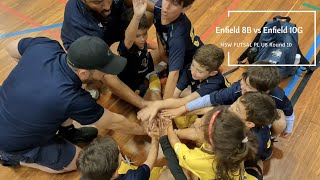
(94, 93)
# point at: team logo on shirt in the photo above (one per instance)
(100, 25)
(165, 36)
(144, 62)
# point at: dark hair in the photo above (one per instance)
(228, 134)
(99, 160)
(127, 16)
(263, 78)
(185, 3)
(209, 56)
(260, 108)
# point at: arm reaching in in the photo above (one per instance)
(119, 123)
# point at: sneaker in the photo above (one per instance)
(94, 93)
(78, 135)
(183, 122)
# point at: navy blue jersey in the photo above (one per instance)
(80, 21)
(212, 83)
(178, 39)
(139, 64)
(229, 95)
(142, 173)
(40, 94)
(263, 135)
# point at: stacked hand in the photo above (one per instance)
(148, 113)
(173, 113)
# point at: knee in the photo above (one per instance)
(73, 165)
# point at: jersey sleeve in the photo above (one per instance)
(85, 110)
(176, 53)
(26, 43)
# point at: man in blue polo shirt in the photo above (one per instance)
(44, 92)
(100, 18)
(176, 38)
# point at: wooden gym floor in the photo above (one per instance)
(297, 157)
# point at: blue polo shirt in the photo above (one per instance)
(212, 83)
(40, 94)
(178, 39)
(79, 21)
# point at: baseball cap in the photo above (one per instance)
(89, 52)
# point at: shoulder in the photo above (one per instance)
(277, 93)
(118, 7)
(180, 26)
(218, 78)
(39, 43)
(157, 11)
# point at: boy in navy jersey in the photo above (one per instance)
(202, 75)
(135, 48)
(176, 39)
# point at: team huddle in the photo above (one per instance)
(207, 127)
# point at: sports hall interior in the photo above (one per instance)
(295, 157)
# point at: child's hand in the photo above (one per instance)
(164, 124)
(172, 113)
(148, 113)
(154, 133)
(139, 7)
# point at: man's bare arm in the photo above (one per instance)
(119, 123)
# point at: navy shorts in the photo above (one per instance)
(56, 154)
(139, 82)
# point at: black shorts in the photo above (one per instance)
(252, 168)
(56, 154)
(138, 82)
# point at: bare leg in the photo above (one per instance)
(279, 125)
(68, 122)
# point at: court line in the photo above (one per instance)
(311, 6)
(45, 28)
(219, 20)
(294, 79)
(302, 85)
(28, 20)
(30, 30)
(62, 1)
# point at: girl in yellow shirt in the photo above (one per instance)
(227, 143)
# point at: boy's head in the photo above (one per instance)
(100, 160)
(260, 78)
(206, 61)
(142, 32)
(257, 109)
(171, 9)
